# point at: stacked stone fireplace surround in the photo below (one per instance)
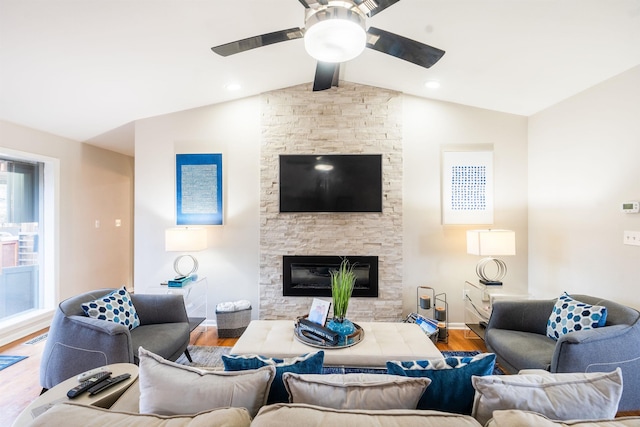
(349, 119)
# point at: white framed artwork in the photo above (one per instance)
(467, 187)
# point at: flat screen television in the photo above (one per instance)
(331, 183)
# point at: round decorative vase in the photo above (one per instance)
(343, 327)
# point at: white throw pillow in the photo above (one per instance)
(355, 391)
(168, 388)
(585, 396)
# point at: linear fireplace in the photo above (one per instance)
(310, 276)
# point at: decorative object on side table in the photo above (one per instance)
(490, 243)
(185, 239)
(342, 283)
(436, 326)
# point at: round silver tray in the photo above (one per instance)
(352, 340)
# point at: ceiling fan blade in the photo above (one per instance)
(326, 75)
(258, 41)
(403, 48)
(381, 5)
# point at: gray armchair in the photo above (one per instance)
(516, 333)
(77, 343)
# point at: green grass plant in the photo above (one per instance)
(342, 282)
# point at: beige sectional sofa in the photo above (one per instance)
(167, 394)
(296, 415)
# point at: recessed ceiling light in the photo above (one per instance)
(432, 84)
(233, 86)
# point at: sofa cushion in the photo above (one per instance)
(520, 350)
(557, 396)
(295, 415)
(75, 415)
(355, 391)
(167, 340)
(310, 363)
(569, 315)
(115, 307)
(168, 388)
(512, 418)
(450, 389)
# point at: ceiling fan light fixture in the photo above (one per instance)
(335, 34)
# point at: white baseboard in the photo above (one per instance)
(18, 327)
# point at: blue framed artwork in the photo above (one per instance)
(199, 189)
(467, 187)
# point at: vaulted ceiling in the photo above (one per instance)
(87, 69)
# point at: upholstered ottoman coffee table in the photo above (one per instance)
(382, 341)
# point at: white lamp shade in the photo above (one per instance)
(491, 242)
(335, 35)
(185, 239)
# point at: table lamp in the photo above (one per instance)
(491, 243)
(187, 239)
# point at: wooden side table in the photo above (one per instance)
(58, 394)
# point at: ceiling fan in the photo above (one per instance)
(335, 32)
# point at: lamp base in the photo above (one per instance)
(494, 280)
(490, 282)
(180, 272)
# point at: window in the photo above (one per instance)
(21, 258)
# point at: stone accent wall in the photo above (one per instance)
(349, 119)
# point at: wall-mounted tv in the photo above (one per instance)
(331, 183)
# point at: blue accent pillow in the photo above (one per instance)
(310, 363)
(451, 389)
(570, 315)
(115, 307)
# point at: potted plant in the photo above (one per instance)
(342, 282)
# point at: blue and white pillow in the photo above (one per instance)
(115, 307)
(310, 363)
(570, 315)
(451, 389)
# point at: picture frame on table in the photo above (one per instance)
(319, 311)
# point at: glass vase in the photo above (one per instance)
(343, 327)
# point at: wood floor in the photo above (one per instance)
(20, 383)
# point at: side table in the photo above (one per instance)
(194, 293)
(478, 304)
(58, 394)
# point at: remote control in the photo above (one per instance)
(86, 375)
(86, 385)
(108, 383)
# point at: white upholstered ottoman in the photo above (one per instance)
(382, 341)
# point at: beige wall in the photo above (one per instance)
(432, 254)
(231, 263)
(584, 161)
(435, 255)
(94, 184)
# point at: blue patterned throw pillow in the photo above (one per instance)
(115, 307)
(310, 363)
(451, 389)
(569, 315)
